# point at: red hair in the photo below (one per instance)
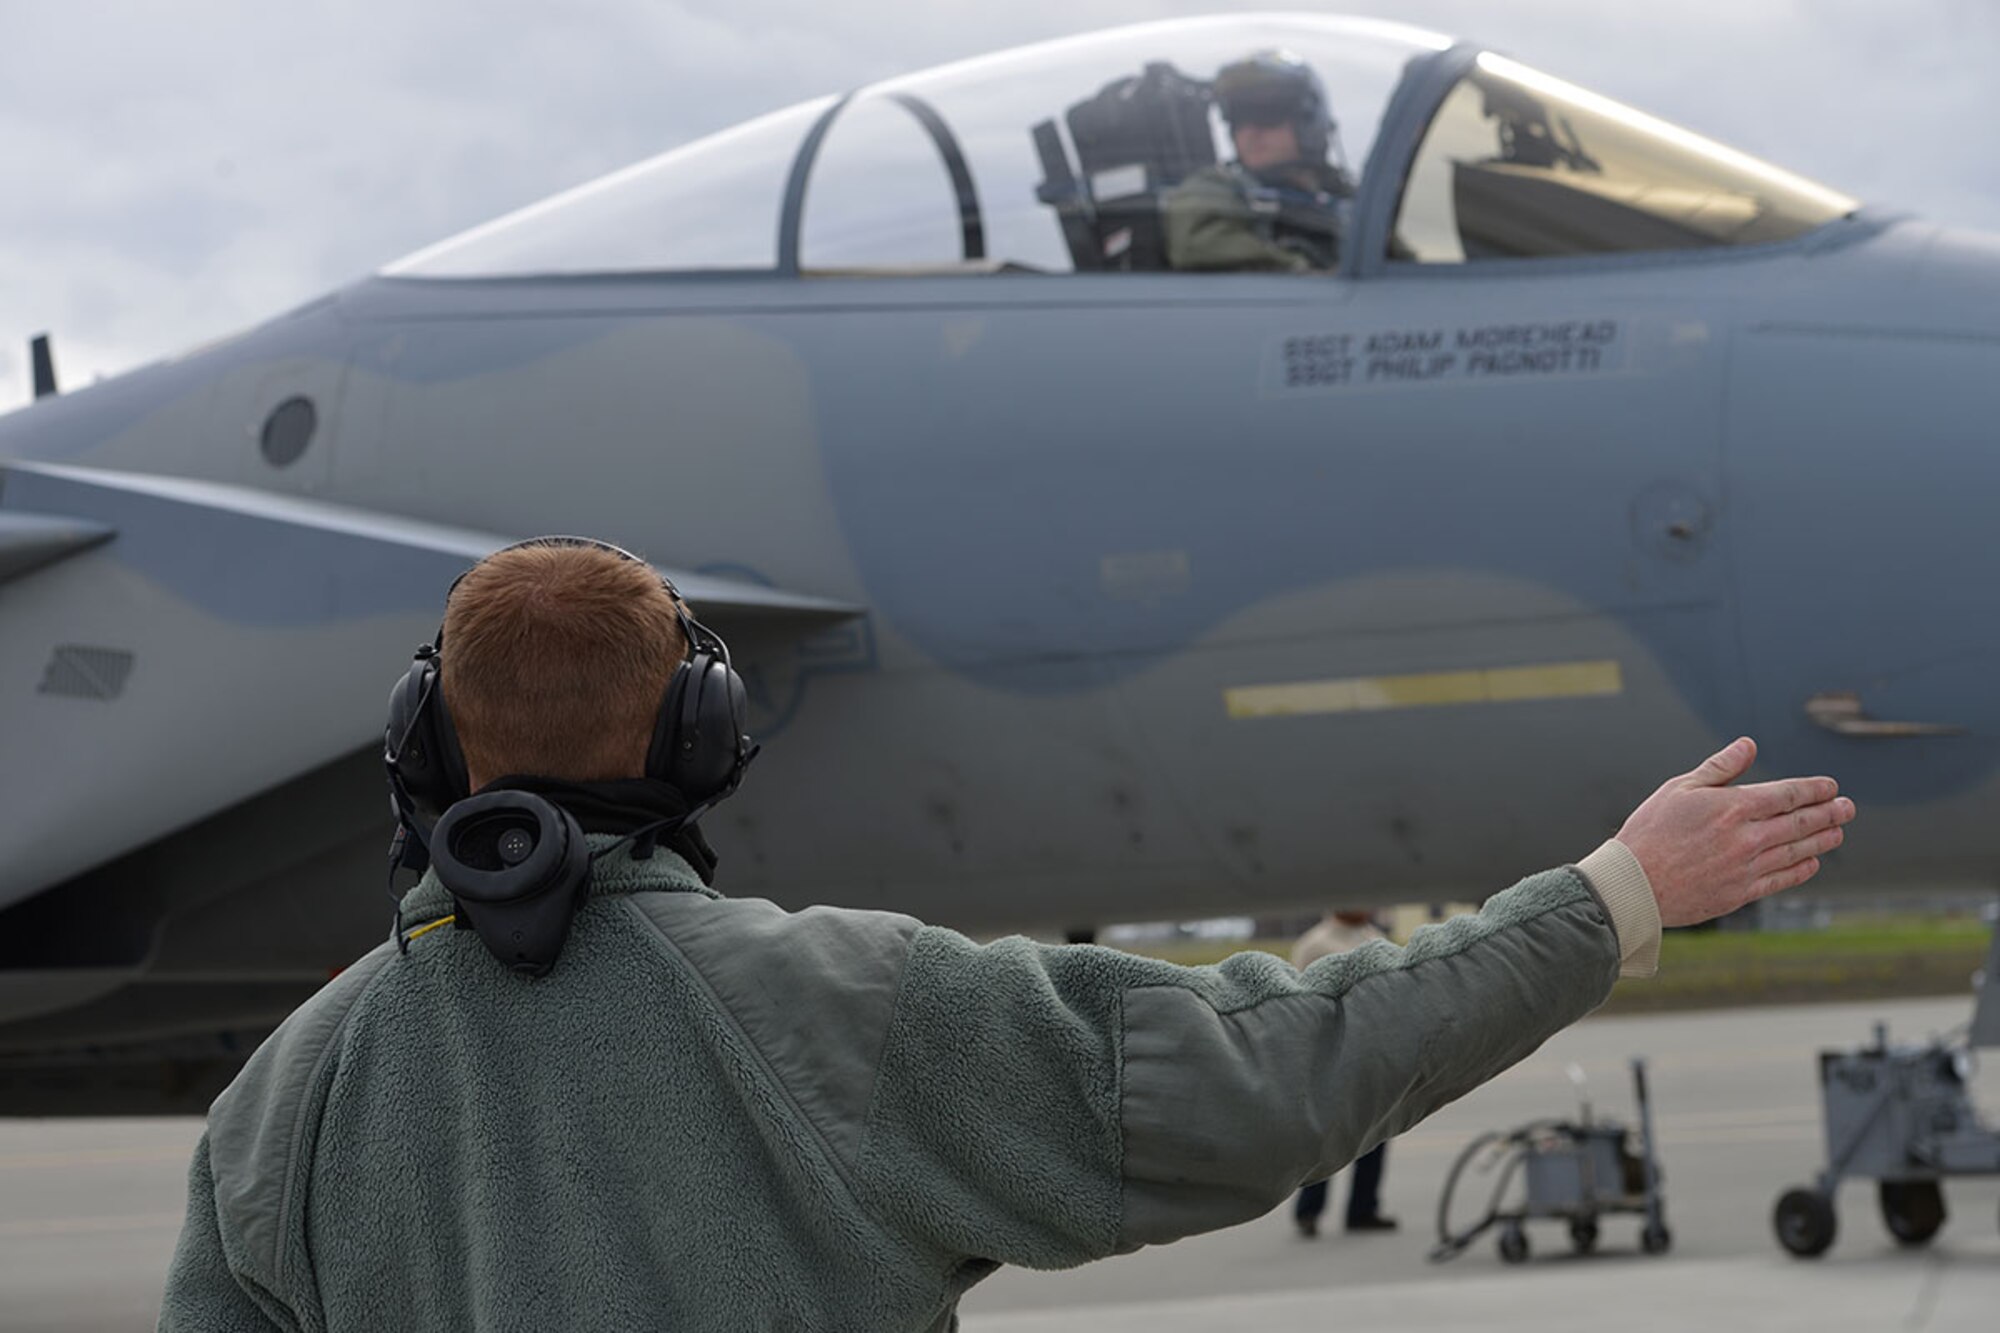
(555, 659)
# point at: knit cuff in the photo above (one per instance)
(1620, 881)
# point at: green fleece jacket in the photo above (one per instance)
(718, 1115)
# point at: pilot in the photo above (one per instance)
(710, 1113)
(1278, 206)
(1343, 932)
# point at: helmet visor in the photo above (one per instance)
(1264, 107)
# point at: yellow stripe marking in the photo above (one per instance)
(424, 930)
(1436, 689)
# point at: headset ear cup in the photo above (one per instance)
(404, 751)
(404, 700)
(661, 753)
(722, 709)
(699, 747)
(419, 747)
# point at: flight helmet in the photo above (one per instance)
(1275, 88)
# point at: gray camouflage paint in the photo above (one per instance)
(1077, 511)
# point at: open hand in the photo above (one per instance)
(1708, 847)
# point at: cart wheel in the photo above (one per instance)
(1804, 1222)
(1656, 1239)
(1913, 1210)
(1514, 1244)
(1583, 1234)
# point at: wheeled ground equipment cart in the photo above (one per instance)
(1574, 1171)
(1903, 1117)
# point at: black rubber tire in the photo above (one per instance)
(1655, 1238)
(1805, 1223)
(1513, 1244)
(1913, 1210)
(1583, 1235)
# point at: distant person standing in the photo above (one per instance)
(1343, 932)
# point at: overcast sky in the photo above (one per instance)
(176, 171)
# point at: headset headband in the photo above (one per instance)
(692, 630)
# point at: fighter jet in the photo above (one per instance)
(1073, 584)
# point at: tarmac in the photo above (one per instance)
(89, 1211)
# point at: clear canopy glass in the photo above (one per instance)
(1516, 164)
(970, 167)
(710, 204)
(1041, 134)
(1070, 156)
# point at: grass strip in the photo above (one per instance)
(1863, 958)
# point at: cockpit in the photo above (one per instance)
(1097, 154)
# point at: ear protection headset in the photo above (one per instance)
(699, 746)
(516, 864)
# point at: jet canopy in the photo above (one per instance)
(1066, 157)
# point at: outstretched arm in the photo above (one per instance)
(1043, 1105)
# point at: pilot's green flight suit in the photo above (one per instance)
(1227, 218)
(715, 1114)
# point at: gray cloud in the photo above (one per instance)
(175, 172)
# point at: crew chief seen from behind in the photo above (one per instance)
(713, 1114)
